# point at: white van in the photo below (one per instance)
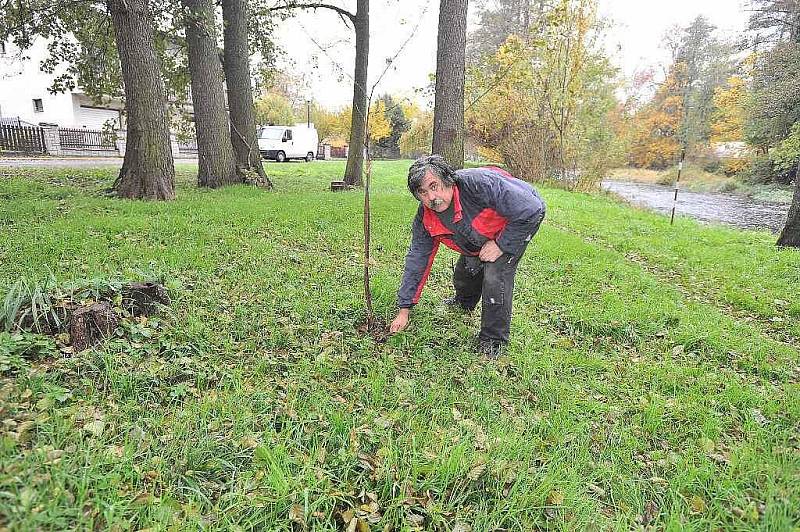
(282, 143)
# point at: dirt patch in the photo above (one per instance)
(376, 328)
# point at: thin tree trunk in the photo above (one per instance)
(355, 159)
(448, 111)
(148, 170)
(790, 236)
(240, 92)
(216, 162)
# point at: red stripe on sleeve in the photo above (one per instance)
(427, 271)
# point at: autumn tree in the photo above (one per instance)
(539, 98)
(416, 141)
(389, 146)
(379, 126)
(707, 64)
(655, 139)
(272, 109)
(774, 106)
(497, 20)
(727, 120)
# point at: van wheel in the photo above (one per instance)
(309, 157)
(280, 156)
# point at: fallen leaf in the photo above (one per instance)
(25, 431)
(95, 428)
(555, 498)
(597, 490)
(248, 442)
(462, 527)
(296, 514)
(697, 504)
(26, 497)
(55, 454)
(649, 514)
(476, 471)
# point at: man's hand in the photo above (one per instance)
(400, 322)
(490, 252)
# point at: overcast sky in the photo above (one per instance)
(320, 47)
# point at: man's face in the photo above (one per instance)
(435, 194)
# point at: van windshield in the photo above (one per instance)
(272, 133)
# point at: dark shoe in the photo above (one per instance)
(491, 349)
(456, 304)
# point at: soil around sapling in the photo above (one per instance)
(377, 328)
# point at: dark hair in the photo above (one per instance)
(436, 165)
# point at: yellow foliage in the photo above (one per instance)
(379, 125)
(727, 121)
(735, 165)
(273, 109)
(418, 139)
(654, 129)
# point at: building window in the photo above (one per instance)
(38, 106)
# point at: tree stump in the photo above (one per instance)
(90, 324)
(144, 299)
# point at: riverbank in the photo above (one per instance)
(695, 179)
(651, 381)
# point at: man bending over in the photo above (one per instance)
(486, 215)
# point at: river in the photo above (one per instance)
(731, 209)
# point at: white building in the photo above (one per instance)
(24, 94)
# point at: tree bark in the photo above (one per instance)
(790, 236)
(240, 92)
(148, 170)
(355, 159)
(216, 162)
(448, 110)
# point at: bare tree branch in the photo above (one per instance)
(294, 5)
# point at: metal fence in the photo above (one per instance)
(22, 139)
(87, 139)
(188, 146)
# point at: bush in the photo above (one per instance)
(711, 165)
(732, 166)
(760, 171)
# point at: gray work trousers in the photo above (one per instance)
(494, 281)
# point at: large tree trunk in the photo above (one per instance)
(355, 159)
(147, 171)
(790, 236)
(448, 110)
(216, 162)
(240, 92)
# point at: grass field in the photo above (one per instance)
(651, 381)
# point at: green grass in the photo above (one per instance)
(652, 375)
